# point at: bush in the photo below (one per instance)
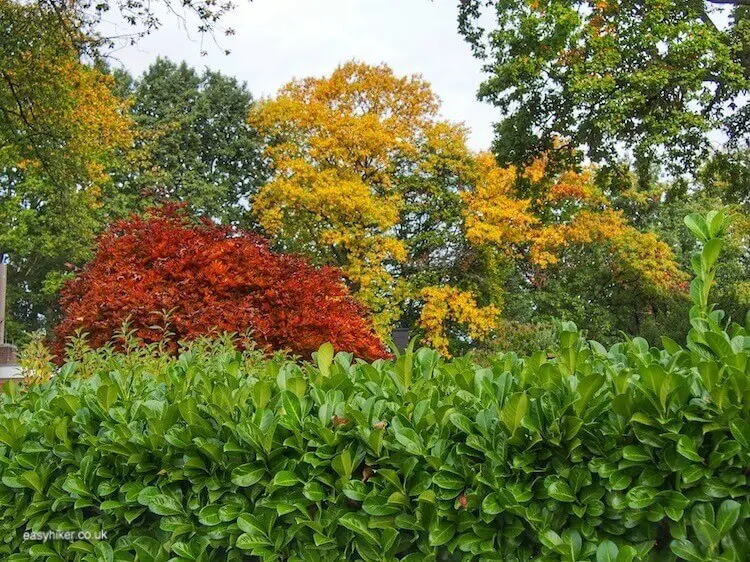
(170, 278)
(627, 453)
(522, 338)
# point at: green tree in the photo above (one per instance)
(60, 128)
(650, 76)
(193, 142)
(727, 175)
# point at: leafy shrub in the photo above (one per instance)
(627, 453)
(171, 278)
(522, 338)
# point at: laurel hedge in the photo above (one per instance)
(577, 453)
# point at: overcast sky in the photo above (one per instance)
(277, 40)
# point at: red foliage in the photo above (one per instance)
(213, 279)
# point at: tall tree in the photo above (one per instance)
(193, 142)
(652, 77)
(367, 177)
(354, 154)
(60, 128)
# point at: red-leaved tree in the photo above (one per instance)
(211, 279)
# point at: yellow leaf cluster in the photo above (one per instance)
(558, 188)
(100, 120)
(362, 118)
(494, 215)
(572, 186)
(67, 123)
(444, 151)
(565, 210)
(444, 304)
(638, 257)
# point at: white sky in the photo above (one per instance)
(277, 40)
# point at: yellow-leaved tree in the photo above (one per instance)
(355, 154)
(535, 214)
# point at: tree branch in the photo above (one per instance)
(30, 126)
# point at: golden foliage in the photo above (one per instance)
(494, 215)
(444, 151)
(566, 210)
(100, 120)
(59, 116)
(345, 146)
(362, 119)
(340, 145)
(444, 304)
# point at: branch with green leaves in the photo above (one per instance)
(710, 232)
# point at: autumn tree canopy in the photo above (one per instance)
(61, 128)
(164, 274)
(368, 177)
(560, 211)
(346, 149)
(529, 224)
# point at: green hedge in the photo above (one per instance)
(583, 453)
